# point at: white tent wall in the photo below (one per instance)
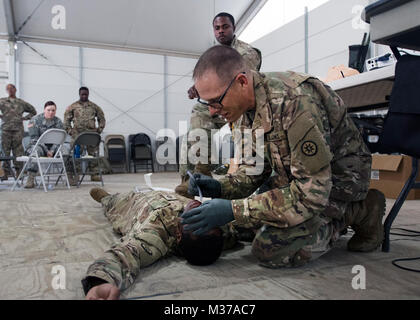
(332, 28)
(129, 86)
(3, 66)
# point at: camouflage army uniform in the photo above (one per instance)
(322, 166)
(81, 117)
(12, 110)
(148, 223)
(36, 127)
(200, 116)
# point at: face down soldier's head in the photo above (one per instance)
(200, 250)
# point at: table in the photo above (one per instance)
(396, 23)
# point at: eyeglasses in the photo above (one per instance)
(218, 104)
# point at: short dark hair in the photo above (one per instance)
(50, 103)
(223, 60)
(83, 88)
(202, 250)
(227, 15)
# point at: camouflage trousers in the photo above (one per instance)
(290, 247)
(296, 246)
(201, 119)
(12, 142)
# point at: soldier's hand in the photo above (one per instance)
(211, 214)
(209, 187)
(192, 93)
(104, 291)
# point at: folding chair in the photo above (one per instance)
(116, 151)
(84, 140)
(51, 136)
(141, 151)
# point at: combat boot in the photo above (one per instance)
(30, 182)
(95, 178)
(182, 189)
(98, 193)
(365, 218)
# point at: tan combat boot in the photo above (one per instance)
(30, 182)
(182, 189)
(365, 218)
(95, 178)
(98, 193)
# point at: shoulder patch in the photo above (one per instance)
(309, 148)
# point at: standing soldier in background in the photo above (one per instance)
(224, 32)
(12, 110)
(81, 117)
(36, 127)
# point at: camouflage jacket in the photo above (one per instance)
(38, 125)
(309, 141)
(12, 111)
(148, 223)
(251, 55)
(83, 116)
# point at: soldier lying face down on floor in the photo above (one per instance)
(151, 229)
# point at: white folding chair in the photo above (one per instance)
(51, 136)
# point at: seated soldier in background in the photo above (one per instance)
(150, 227)
(36, 127)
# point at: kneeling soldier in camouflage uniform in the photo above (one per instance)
(322, 164)
(150, 227)
(36, 127)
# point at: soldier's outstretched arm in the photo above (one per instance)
(121, 264)
(308, 192)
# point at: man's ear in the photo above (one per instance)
(243, 80)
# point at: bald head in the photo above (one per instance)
(226, 62)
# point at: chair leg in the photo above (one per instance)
(22, 172)
(398, 204)
(63, 170)
(42, 174)
(100, 172)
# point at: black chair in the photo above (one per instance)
(141, 151)
(116, 151)
(84, 140)
(401, 133)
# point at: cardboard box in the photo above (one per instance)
(390, 173)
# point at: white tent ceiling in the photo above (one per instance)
(174, 27)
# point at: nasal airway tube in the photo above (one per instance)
(199, 190)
